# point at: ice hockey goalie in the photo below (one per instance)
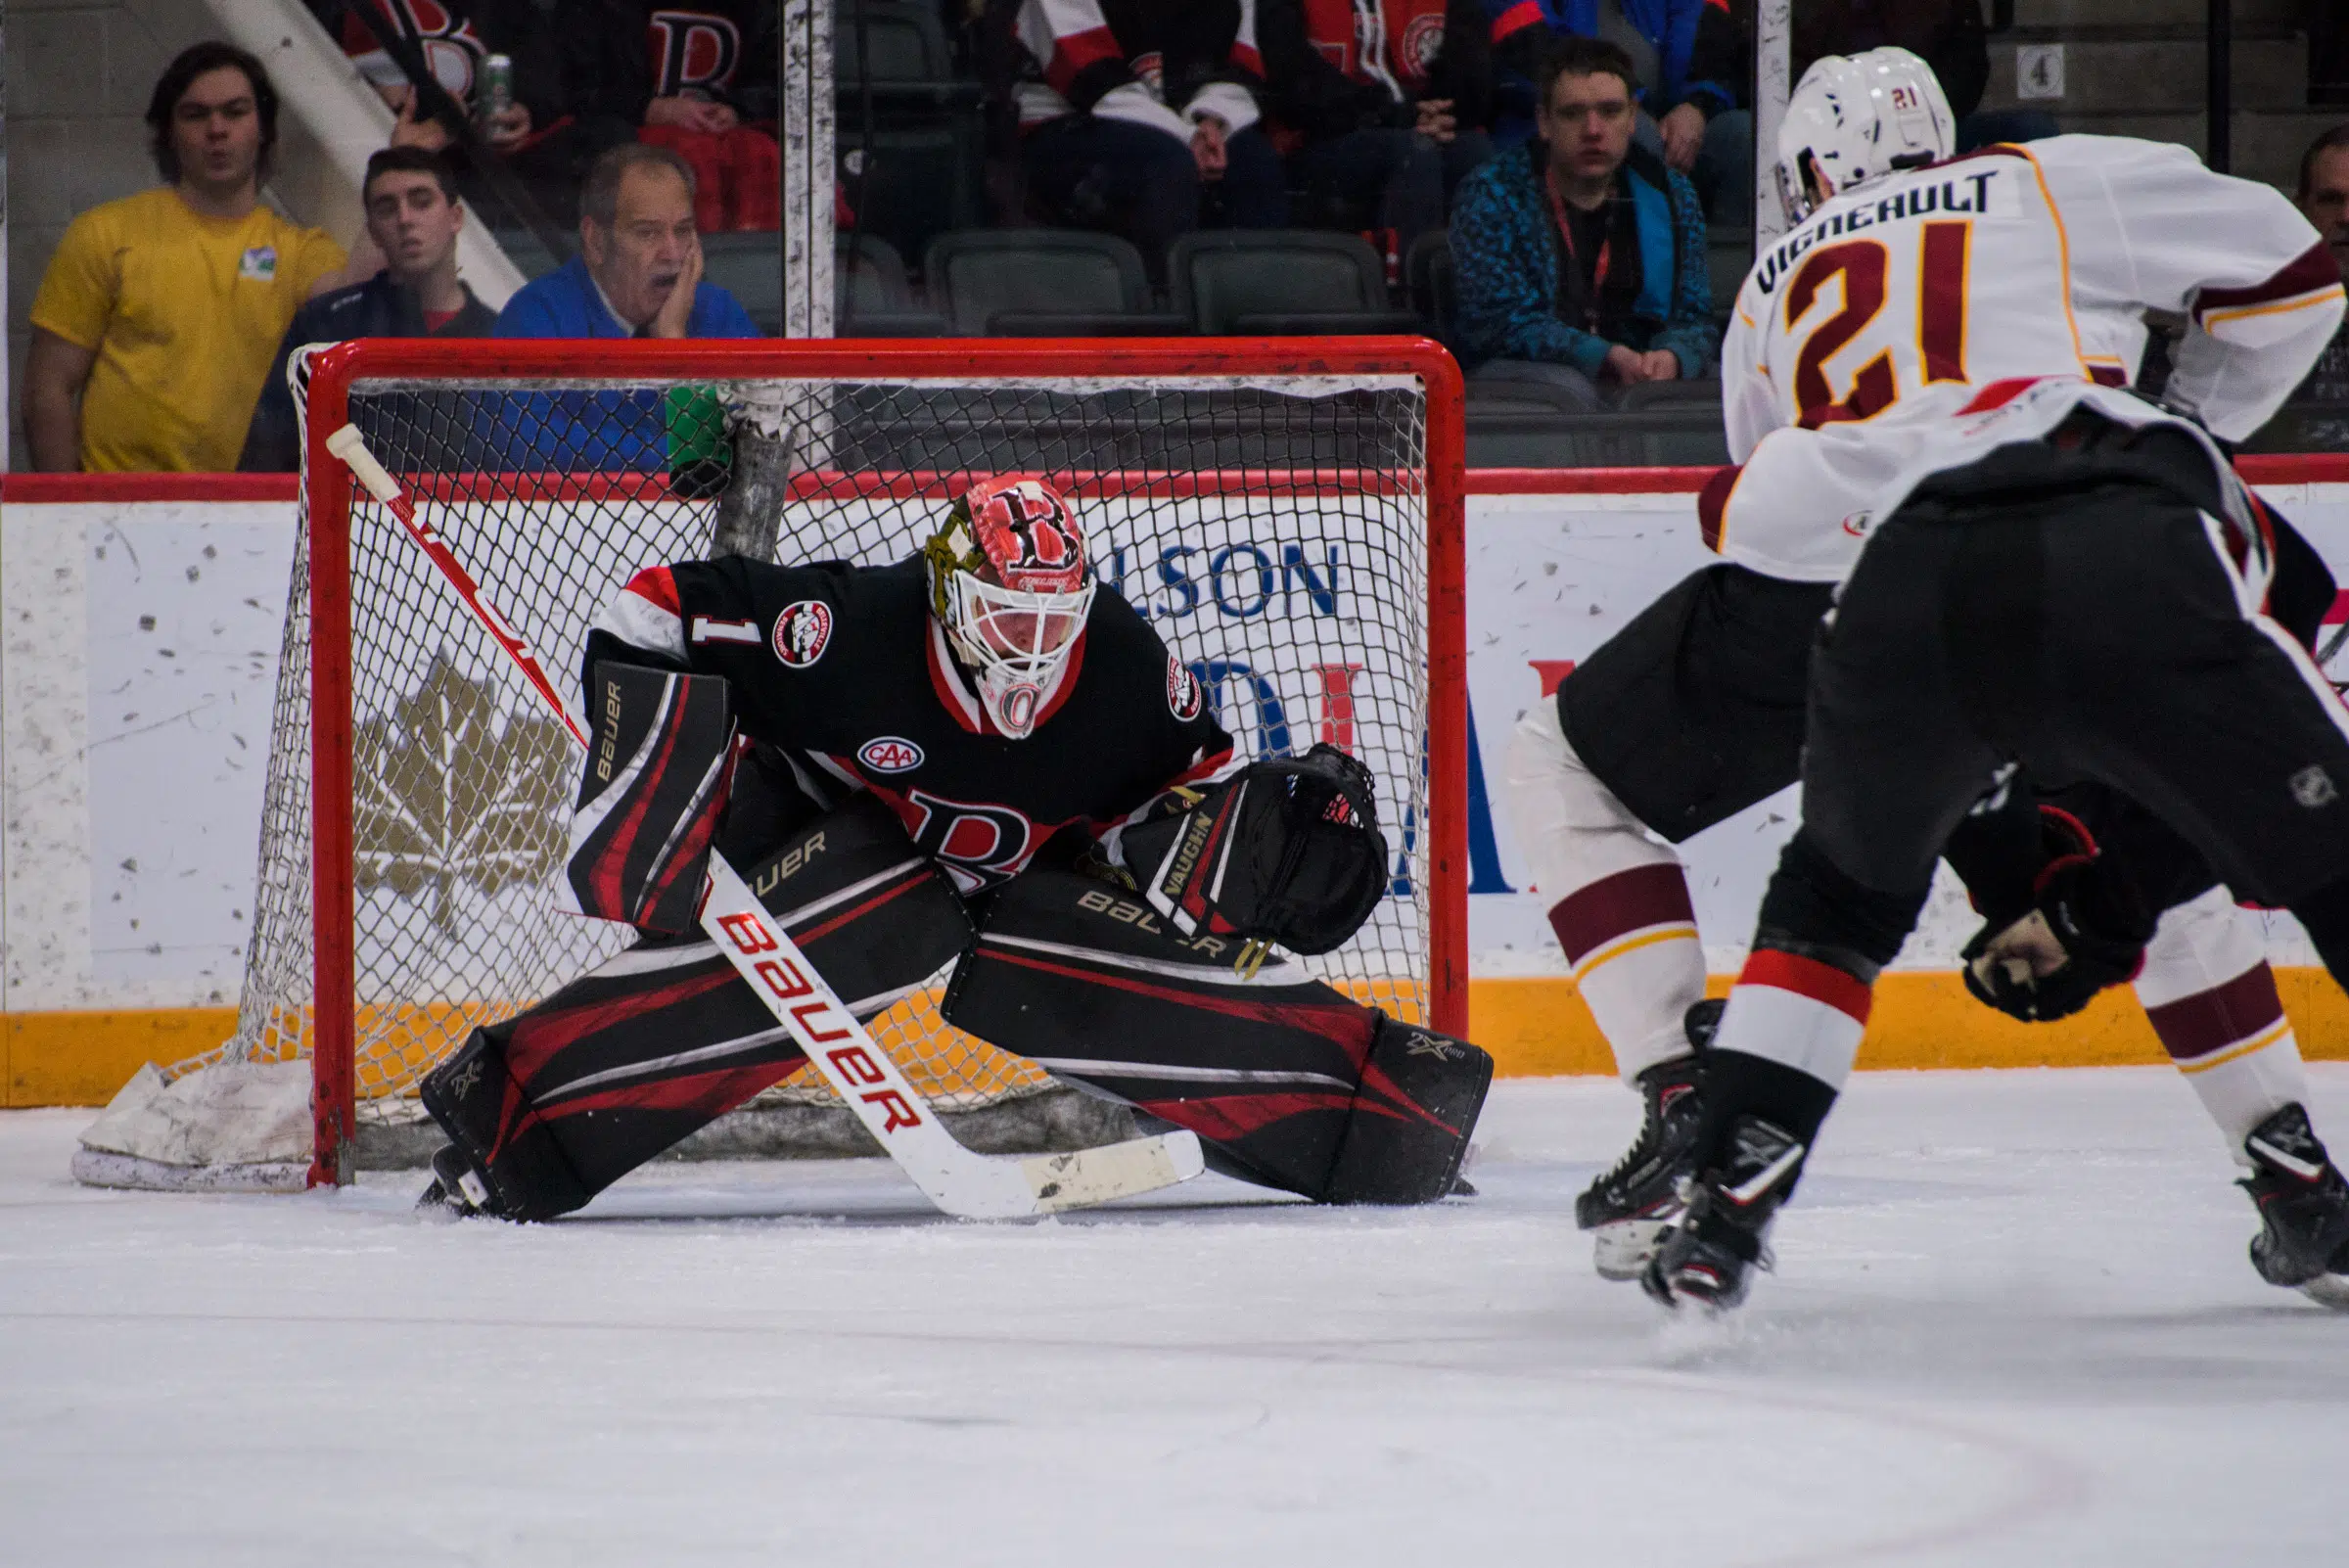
(978, 756)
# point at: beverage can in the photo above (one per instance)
(496, 94)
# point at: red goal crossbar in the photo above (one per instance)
(328, 501)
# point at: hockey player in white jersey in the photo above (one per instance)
(2056, 576)
(1694, 711)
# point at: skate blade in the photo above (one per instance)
(1622, 1250)
(2329, 1290)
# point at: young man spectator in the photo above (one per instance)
(638, 273)
(1688, 60)
(1387, 101)
(1137, 115)
(413, 217)
(1579, 257)
(696, 76)
(156, 319)
(2324, 198)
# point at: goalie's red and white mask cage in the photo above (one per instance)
(1010, 585)
(1288, 518)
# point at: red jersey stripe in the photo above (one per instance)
(2212, 1020)
(1588, 918)
(1807, 977)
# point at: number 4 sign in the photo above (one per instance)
(2038, 71)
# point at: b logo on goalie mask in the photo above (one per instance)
(802, 633)
(1184, 694)
(1025, 530)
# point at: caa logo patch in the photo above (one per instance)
(890, 754)
(803, 632)
(1184, 698)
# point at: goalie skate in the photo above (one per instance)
(2303, 1242)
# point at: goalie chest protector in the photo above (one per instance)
(843, 668)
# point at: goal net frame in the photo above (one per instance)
(330, 495)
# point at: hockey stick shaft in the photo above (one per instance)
(958, 1181)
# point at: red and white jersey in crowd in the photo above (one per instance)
(1391, 42)
(1164, 63)
(1913, 325)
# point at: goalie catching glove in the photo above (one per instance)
(2087, 929)
(1286, 851)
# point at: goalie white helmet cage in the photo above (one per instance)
(1010, 585)
(1855, 119)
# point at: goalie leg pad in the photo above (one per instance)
(1274, 1073)
(1407, 1131)
(650, 795)
(556, 1104)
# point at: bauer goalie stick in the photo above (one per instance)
(967, 1185)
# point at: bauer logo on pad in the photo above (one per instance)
(889, 754)
(803, 632)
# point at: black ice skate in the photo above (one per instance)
(1630, 1207)
(2303, 1242)
(457, 1191)
(1707, 1256)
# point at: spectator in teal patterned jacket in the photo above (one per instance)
(1580, 258)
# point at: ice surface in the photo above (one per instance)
(2012, 1325)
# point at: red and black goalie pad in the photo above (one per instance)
(1289, 1083)
(651, 794)
(1287, 850)
(557, 1103)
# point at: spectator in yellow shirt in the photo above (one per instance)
(158, 316)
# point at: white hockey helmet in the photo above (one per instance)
(1855, 119)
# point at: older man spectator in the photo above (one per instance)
(157, 317)
(638, 273)
(1579, 257)
(413, 218)
(2324, 197)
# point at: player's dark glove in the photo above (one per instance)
(1286, 851)
(2086, 930)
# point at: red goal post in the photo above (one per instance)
(1221, 385)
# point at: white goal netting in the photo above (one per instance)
(1273, 526)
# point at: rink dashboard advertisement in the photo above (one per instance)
(138, 673)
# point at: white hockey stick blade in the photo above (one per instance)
(1087, 1176)
(960, 1182)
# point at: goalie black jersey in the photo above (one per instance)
(844, 670)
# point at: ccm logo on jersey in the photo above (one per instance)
(890, 754)
(803, 632)
(1185, 696)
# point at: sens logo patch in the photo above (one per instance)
(1184, 698)
(802, 633)
(889, 754)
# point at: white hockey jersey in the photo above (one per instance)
(1913, 325)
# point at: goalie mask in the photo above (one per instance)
(1011, 586)
(1855, 119)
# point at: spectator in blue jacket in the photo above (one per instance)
(1579, 257)
(638, 273)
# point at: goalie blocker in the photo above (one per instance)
(1289, 1083)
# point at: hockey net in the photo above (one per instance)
(1289, 523)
